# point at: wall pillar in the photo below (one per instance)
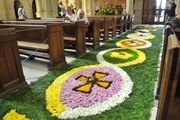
(89, 7)
(39, 8)
(129, 6)
(9, 9)
(138, 8)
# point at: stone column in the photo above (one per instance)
(9, 9)
(88, 6)
(3, 12)
(138, 8)
(78, 4)
(39, 8)
(47, 10)
(54, 8)
(129, 6)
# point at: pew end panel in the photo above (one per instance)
(11, 74)
(170, 78)
(94, 32)
(44, 39)
(81, 36)
(167, 32)
(56, 45)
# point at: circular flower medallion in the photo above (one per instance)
(134, 43)
(141, 36)
(121, 57)
(87, 90)
(147, 28)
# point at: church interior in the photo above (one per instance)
(90, 59)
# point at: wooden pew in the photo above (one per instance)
(73, 34)
(167, 32)
(129, 22)
(94, 26)
(124, 23)
(112, 24)
(11, 74)
(119, 25)
(170, 77)
(31, 37)
(104, 26)
(94, 33)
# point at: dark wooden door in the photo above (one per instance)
(149, 7)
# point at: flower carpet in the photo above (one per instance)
(115, 81)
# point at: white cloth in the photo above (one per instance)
(21, 13)
(83, 19)
(72, 17)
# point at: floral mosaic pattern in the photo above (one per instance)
(91, 90)
(145, 36)
(131, 57)
(84, 90)
(134, 43)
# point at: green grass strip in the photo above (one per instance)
(31, 100)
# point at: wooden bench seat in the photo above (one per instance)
(70, 38)
(33, 46)
(30, 38)
(104, 26)
(71, 32)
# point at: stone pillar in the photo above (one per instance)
(9, 9)
(3, 12)
(54, 8)
(88, 6)
(129, 6)
(138, 8)
(78, 4)
(39, 8)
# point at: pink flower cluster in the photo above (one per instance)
(74, 99)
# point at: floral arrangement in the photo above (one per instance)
(137, 57)
(13, 115)
(88, 90)
(150, 28)
(144, 36)
(107, 10)
(134, 43)
(121, 55)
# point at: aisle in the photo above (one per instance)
(115, 81)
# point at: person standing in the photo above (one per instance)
(21, 12)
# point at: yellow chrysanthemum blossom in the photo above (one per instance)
(121, 55)
(13, 115)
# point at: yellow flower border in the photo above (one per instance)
(119, 43)
(141, 58)
(13, 115)
(54, 105)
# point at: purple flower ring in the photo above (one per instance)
(88, 90)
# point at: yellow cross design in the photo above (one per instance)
(91, 81)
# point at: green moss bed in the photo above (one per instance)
(31, 99)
